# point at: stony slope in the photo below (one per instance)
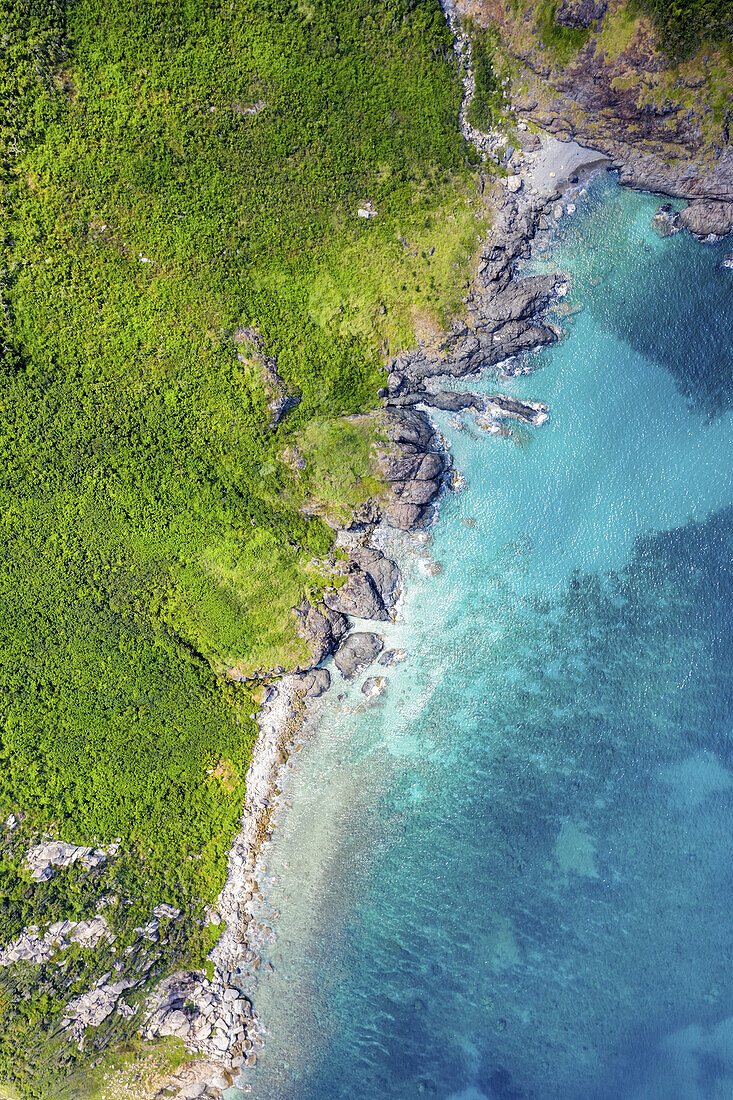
(594, 71)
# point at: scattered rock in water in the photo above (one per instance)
(728, 260)
(374, 686)
(392, 657)
(531, 412)
(430, 568)
(664, 222)
(356, 653)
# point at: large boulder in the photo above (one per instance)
(384, 574)
(356, 652)
(408, 517)
(358, 596)
(314, 683)
(705, 216)
(322, 627)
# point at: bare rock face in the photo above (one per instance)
(358, 597)
(383, 573)
(579, 13)
(314, 683)
(705, 216)
(322, 627)
(356, 653)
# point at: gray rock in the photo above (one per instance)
(358, 597)
(356, 653)
(706, 216)
(392, 657)
(314, 683)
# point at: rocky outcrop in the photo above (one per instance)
(531, 412)
(283, 397)
(358, 596)
(43, 858)
(33, 947)
(92, 1008)
(502, 314)
(356, 653)
(322, 627)
(382, 572)
(412, 463)
(705, 218)
(579, 13)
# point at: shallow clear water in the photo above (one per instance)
(511, 875)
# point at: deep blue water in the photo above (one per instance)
(511, 876)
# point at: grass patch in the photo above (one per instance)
(561, 42)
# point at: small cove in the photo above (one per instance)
(509, 877)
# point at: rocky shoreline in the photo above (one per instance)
(504, 318)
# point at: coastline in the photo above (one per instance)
(290, 708)
(504, 319)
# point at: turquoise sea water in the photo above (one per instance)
(511, 876)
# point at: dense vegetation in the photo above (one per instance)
(171, 172)
(683, 25)
(489, 103)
